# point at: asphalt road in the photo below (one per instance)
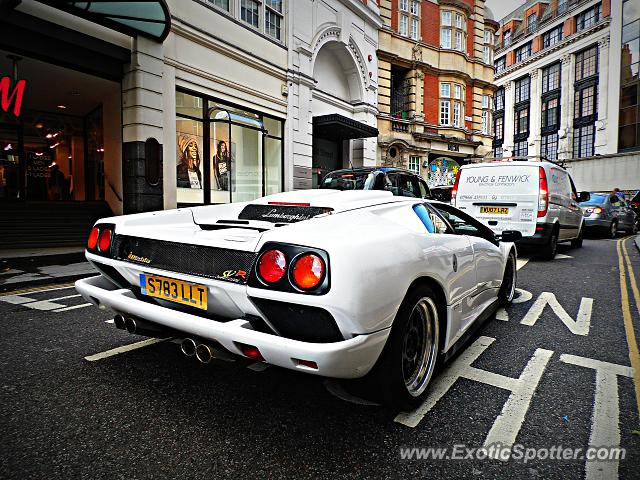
(153, 413)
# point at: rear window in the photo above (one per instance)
(595, 199)
(348, 181)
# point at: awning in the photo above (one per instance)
(149, 18)
(339, 127)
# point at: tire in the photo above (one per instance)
(634, 230)
(577, 242)
(402, 373)
(613, 230)
(550, 249)
(509, 281)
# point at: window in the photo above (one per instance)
(629, 125)
(585, 102)
(498, 121)
(497, 152)
(485, 101)
(498, 128)
(532, 23)
(225, 154)
(583, 140)
(550, 38)
(452, 35)
(587, 63)
(485, 122)
(523, 52)
(273, 18)
(400, 90)
(520, 149)
(415, 7)
(562, 6)
(551, 113)
(488, 37)
(551, 78)
(487, 54)
(522, 89)
(459, 223)
(415, 28)
(498, 100)
(414, 164)
(224, 4)
(549, 146)
(506, 38)
(501, 64)
(447, 104)
(521, 126)
(403, 28)
(249, 12)
(589, 17)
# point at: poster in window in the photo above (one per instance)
(189, 173)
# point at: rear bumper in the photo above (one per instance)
(602, 223)
(350, 358)
(540, 237)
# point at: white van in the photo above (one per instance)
(536, 198)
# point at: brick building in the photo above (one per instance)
(435, 64)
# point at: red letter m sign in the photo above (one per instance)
(15, 97)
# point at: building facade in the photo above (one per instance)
(436, 81)
(566, 89)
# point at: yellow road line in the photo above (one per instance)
(634, 355)
(43, 288)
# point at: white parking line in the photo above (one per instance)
(124, 349)
(74, 307)
(521, 262)
(62, 298)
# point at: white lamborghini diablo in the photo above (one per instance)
(340, 284)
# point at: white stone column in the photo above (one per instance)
(509, 102)
(567, 75)
(535, 113)
(601, 141)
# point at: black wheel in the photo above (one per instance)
(613, 230)
(508, 288)
(550, 249)
(406, 365)
(577, 242)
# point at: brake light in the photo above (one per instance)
(104, 242)
(93, 238)
(543, 195)
(251, 352)
(308, 271)
(454, 191)
(290, 204)
(272, 266)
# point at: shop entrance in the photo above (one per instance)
(56, 149)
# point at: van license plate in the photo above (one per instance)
(173, 290)
(495, 210)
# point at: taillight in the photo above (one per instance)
(272, 266)
(543, 195)
(454, 191)
(93, 238)
(597, 210)
(104, 242)
(308, 271)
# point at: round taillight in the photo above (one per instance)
(105, 240)
(272, 266)
(93, 238)
(308, 271)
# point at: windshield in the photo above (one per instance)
(349, 181)
(596, 199)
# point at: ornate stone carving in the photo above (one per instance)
(416, 53)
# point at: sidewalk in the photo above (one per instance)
(23, 268)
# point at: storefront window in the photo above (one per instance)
(235, 155)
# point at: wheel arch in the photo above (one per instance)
(441, 303)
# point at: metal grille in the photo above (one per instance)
(211, 262)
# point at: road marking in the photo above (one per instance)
(522, 296)
(63, 298)
(605, 420)
(561, 256)
(521, 262)
(45, 288)
(109, 321)
(124, 349)
(74, 307)
(578, 327)
(634, 355)
(16, 299)
(43, 305)
(507, 425)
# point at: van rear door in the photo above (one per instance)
(502, 196)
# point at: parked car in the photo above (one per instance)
(609, 214)
(331, 283)
(536, 198)
(395, 180)
(442, 193)
(634, 204)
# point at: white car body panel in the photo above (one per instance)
(377, 247)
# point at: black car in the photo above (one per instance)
(634, 204)
(399, 181)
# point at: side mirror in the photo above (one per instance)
(583, 197)
(510, 236)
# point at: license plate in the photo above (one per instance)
(495, 210)
(173, 290)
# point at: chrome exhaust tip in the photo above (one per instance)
(204, 353)
(188, 347)
(118, 321)
(130, 325)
